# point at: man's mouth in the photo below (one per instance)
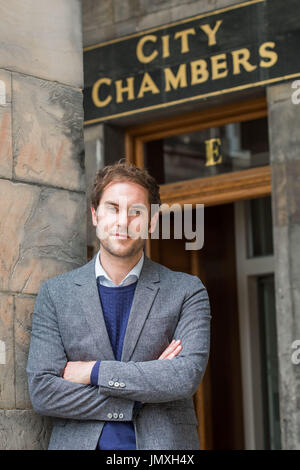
(121, 235)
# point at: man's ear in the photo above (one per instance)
(153, 222)
(94, 216)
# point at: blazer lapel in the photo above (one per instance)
(145, 293)
(88, 299)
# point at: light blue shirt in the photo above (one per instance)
(131, 277)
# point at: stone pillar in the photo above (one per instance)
(42, 185)
(284, 135)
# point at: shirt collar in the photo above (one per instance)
(135, 271)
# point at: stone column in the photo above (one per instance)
(42, 185)
(284, 135)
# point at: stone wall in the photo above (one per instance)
(42, 185)
(284, 125)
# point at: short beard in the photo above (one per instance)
(129, 253)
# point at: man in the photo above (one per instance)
(103, 360)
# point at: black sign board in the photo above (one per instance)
(250, 44)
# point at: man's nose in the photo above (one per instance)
(123, 218)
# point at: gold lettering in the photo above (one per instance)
(218, 62)
(212, 151)
(183, 35)
(199, 72)
(211, 33)
(166, 46)
(147, 85)
(95, 92)
(126, 89)
(240, 58)
(173, 81)
(140, 52)
(265, 53)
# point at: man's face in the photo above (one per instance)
(123, 218)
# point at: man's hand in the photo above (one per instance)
(79, 372)
(172, 350)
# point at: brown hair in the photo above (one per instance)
(123, 171)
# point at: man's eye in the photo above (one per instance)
(112, 209)
(135, 212)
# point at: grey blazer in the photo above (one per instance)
(68, 325)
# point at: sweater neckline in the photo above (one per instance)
(117, 288)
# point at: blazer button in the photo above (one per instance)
(110, 383)
(117, 384)
(109, 415)
(116, 415)
(122, 384)
(121, 415)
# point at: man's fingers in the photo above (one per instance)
(174, 353)
(173, 348)
(167, 350)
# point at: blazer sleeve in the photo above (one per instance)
(167, 380)
(50, 394)
(94, 381)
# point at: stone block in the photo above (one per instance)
(43, 234)
(24, 430)
(286, 240)
(280, 92)
(150, 6)
(96, 14)
(126, 28)
(7, 368)
(17, 202)
(287, 278)
(5, 125)
(286, 192)
(97, 35)
(23, 321)
(157, 18)
(126, 9)
(284, 123)
(43, 39)
(181, 9)
(47, 133)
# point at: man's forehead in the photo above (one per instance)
(124, 185)
(130, 193)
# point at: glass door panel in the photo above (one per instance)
(208, 152)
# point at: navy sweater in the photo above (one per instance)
(116, 304)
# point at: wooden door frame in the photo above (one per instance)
(212, 190)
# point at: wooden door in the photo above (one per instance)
(218, 401)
